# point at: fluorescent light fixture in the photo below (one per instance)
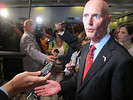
(4, 13)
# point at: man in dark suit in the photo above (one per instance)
(21, 82)
(110, 76)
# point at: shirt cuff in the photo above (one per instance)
(61, 33)
(4, 91)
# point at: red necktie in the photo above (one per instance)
(89, 60)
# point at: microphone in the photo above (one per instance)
(44, 72)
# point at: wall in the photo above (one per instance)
(50, 15)
(120, 21)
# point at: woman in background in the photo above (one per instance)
(126, 37)
(62, 47)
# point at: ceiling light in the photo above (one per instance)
(58, 1)
(4, 13)
(39, 20)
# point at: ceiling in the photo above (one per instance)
(118, 8)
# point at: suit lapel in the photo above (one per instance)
(99, 62)
(84, 53)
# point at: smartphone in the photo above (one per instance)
(47, 69)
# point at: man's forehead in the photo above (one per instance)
(29, 22)
(100, 8)
(92, 9)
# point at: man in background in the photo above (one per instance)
(34, 59)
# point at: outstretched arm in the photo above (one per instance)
(24, 81)
(16, 30)
(51, 88)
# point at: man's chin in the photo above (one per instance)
(90, 35)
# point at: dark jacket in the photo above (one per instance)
(110, 79)
(71, 40)
(3, 96)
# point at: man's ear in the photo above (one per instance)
(109, 19)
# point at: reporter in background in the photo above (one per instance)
(34, 59)
(69, 38)
(22, 82)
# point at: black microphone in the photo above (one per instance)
(44, 72)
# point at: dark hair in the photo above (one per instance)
(129, 28)
(79, 27)
(68, 27)
(80, 40)
(50, 31)
(54, 34)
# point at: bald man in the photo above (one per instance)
(110, 77)
(34, 59)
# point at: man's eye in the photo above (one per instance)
(97, 16)
(85, 15)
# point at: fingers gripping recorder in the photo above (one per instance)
(44, 72)
(46, 69)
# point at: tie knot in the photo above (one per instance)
(92, 48)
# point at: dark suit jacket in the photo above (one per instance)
(111, 79)
(3, 96)
(71, 40)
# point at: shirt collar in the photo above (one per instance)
(102, 42)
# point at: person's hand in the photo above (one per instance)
(59, 27)
(69, 66)
(55, 54)
(51, 88)
(76, 69)
(24, 81)
(50, 59)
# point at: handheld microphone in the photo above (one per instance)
(44, 72)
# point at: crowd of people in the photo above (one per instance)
(79, 72)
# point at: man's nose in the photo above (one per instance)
(90, 20)
(119, 34)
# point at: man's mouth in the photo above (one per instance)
(89, 30)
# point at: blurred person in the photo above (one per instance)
(62, 47)
(45, 39)
(9, 41)
(125, 36)
(69, 38)
(22, 82)
(114, 33)
(77, 29)
(20, 26)
(16, 30)
(35, 59)
(68, 27)
(110, 76)
(75, 58)
(50, 31)
(42, 39)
